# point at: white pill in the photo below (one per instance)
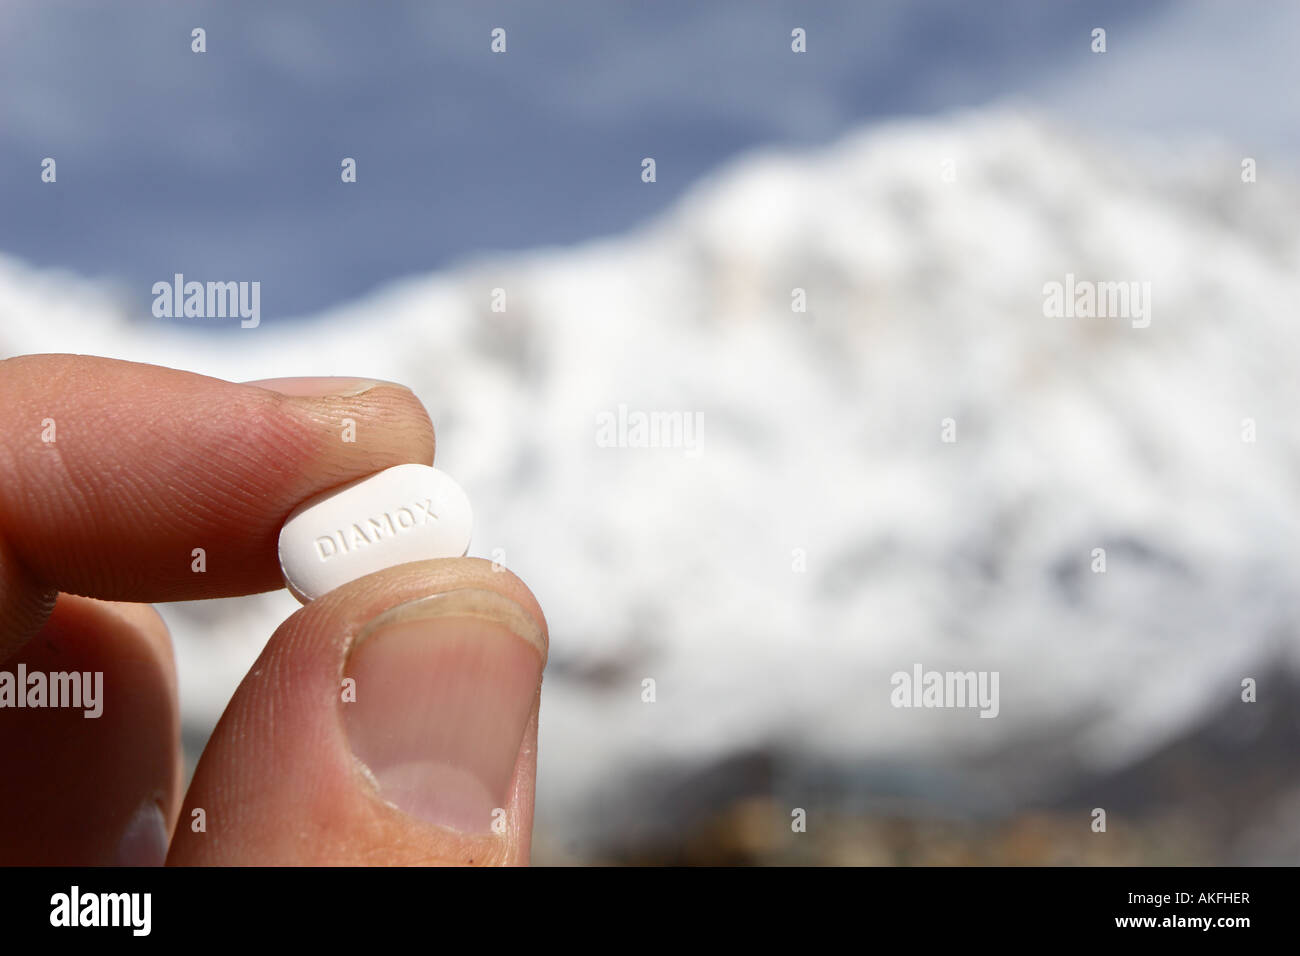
(406, 513)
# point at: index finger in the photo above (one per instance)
(132, 482)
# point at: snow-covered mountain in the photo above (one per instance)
(825, 536)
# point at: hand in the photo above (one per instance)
(380, 725)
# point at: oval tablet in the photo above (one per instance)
(405, 513)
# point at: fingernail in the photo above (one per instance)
(444, 686)
(319, 386)
(144, 841)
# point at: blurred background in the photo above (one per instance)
(913, 179)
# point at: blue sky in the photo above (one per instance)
(225, 165)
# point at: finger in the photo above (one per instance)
(131, 482)
(92, 761)
(435, 753)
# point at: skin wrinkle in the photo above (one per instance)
(222, 483)
(261, 721)
(342, 471)
(212, 508)
(214, 503)
(25, 605)
(88, 483)
(47, 508)
(84, 560)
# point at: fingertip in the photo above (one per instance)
(95, 748)
(391, 721)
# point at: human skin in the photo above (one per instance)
(147, 464)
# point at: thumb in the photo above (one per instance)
(392, 721)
